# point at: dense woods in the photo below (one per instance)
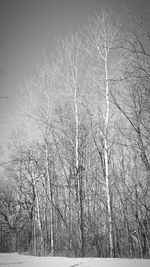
(77, 181)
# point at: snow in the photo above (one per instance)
(15, 260)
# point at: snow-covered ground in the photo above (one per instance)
(15, 260)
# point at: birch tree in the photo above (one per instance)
(70, 62)
(100, 36)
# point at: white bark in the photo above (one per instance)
(106, 155)
(50, 195)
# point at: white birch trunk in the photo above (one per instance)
(50, 195)
(38, 216)
(106, 156)
(76, 141)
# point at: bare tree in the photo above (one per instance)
(101, 36)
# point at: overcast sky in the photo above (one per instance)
(28, 27)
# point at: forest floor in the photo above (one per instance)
(16, 260)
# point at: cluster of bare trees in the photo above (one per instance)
(78, 183)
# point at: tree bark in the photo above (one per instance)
(50, 194)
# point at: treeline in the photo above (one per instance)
(78, 178)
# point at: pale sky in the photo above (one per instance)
(29, 27)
